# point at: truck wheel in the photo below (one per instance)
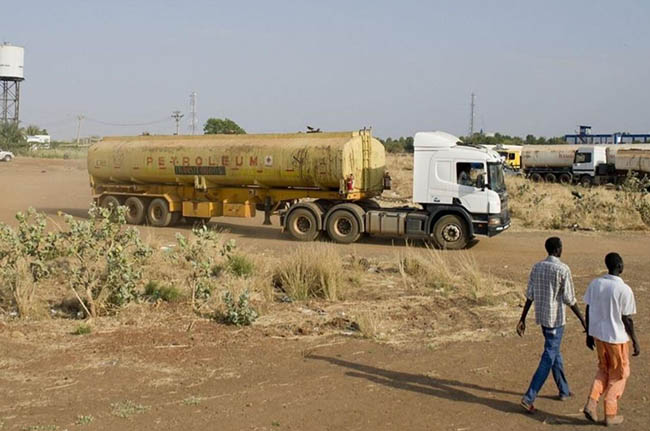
(343, 227)
(135, 210)
(110, 202)
(536, 177)
(7, 158)
(450, 232)
(302, 225)
(586, 181)
(158, 213)
(550, 178)
(565, 178)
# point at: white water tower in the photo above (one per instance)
(12, 59)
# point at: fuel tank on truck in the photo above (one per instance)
(322, 161)
(548, 156)
(633, 160)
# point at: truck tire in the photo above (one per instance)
(158, 213)
(302, 225)
(550, 178)
(537, 178)
(450, 232)
(565, 178)
(586, 181)
(343, 227)
(109, 201)
(7, 158)
(135, 213)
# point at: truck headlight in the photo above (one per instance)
(494, 221)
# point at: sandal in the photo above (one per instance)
(529, 407)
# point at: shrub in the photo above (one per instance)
(238, 312)
(105, 258)
(167, 293)
(313, 271)
(240, 265)
(82, 329)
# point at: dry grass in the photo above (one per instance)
(312, 271)
(369, 323)
(555, 206)
(452, 275)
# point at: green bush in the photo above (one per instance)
(239, 312)
(240, 265)
(167, 293)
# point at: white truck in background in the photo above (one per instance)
(587, 165)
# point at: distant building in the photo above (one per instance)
(585, 137)
(38, 139)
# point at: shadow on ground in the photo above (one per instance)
(452, 390)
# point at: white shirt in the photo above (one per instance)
(609, 298)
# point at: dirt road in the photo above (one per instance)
(178, 373)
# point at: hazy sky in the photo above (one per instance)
(398, 66)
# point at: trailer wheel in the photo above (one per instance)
(343, 227)
(550, 178)
(565, 178)
(302, 225)
(586, 181)
(135, 210)
(110, 202)
(536, 177)
(450, 232)
(158, 213)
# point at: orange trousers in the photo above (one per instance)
(613, 371)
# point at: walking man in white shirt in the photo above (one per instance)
(610, 306)
(550, 287)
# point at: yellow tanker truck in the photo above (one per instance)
(315, 182)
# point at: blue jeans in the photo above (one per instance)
(551, 360)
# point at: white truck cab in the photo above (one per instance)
(590, 165)
(463, 183)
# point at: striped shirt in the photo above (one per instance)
(550, 287)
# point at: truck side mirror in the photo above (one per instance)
(480, 181)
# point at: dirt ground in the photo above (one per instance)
(182, 372)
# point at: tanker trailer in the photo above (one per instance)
(316, 182)
(549, 163)
(633, 160)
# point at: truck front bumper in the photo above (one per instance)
(498, 223)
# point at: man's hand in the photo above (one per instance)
(590, 342)
(521, 328)
(637, 349)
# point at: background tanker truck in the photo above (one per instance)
(592, 164)
(319, 182)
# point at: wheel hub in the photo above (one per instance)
(303, 224)
(343, 226)
(451, 233)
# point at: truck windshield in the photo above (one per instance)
(496, 181)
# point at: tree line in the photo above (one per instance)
(405, 144)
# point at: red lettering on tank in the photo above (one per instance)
(225, 161)
(149, 161)
(186, 161)
(252, 161)
(239, 160)
(198, 161)
(174, 159)
(211, 161)
(161, 162)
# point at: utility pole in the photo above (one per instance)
(471, 117)
(194, 120)
(80, 118)
(176, 115)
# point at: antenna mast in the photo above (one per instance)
(471, 117)
(194, 120)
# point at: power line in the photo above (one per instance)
(107, 123)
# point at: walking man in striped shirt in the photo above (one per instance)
(550, 287)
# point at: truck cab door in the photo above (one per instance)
(583, 162)
(471, 193)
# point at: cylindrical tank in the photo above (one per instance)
(633, 160)
(548, 156)
(326, 161)
(12, 60)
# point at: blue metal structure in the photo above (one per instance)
(585, 137)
